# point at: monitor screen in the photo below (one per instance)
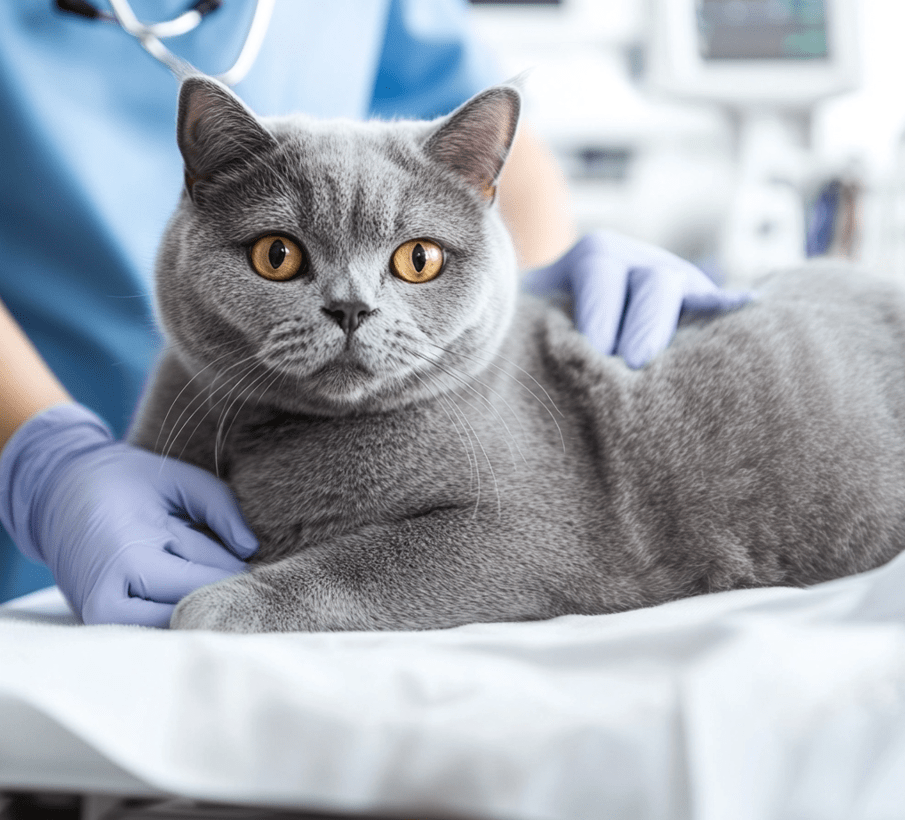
(762, 29)
(516, 2)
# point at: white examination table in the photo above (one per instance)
(771, 703)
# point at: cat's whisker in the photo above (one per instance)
(465, 381)
(184, 388)
(471, 427)
(502, 398)
(434, 394)
(200, 396)
(459, 379)
(488, 362)
(477, 471)
(205, 400)
(280, 375)
(210, 407)
(522, 369)
(202, 399)
(250, 390)
(220, 442)
(285, 374)
(226, 403)
(496, 485)
(220, 438)
(473, 471)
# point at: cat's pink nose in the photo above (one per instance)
(348, 315)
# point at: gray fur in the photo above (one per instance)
(491, 466)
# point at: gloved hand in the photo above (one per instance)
(110, 519)
(628, 295)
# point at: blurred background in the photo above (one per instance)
(743, 135)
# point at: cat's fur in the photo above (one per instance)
(464, 455)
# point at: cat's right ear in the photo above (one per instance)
(215, 131)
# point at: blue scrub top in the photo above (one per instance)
(90, 170)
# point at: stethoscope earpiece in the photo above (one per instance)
(84, 9)
(151, 35)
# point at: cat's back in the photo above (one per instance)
(766, 445)
(834, 333)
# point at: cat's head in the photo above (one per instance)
(335, 266)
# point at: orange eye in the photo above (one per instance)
(276, 257)
(417, 261)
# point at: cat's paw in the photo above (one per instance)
(231, 605)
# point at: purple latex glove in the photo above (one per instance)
(109, 519)
(628, 295)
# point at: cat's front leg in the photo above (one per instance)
(236, 604)
(300, 593)
(436, 571)
(295, 594)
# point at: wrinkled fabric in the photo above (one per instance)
(768, 703)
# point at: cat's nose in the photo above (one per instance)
(347, 315)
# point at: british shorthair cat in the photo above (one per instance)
(417, 445)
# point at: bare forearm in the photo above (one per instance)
(535, 202)
(27, 384)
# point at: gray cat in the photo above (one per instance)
(417, 446)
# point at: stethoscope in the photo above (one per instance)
(151, 35)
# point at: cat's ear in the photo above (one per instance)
(215, 130)
(474, 140)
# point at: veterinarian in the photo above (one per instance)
(90, 174)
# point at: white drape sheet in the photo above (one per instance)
(770, 703)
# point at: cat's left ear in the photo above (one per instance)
(475, 140)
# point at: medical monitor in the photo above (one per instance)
(516, 2)
(754, 53)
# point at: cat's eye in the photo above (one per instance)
(276, 257)
(418, 260)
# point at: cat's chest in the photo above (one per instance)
(302, 480)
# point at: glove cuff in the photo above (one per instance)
(30, 458)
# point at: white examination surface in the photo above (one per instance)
(768, 703)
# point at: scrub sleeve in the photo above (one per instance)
(91, 173)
